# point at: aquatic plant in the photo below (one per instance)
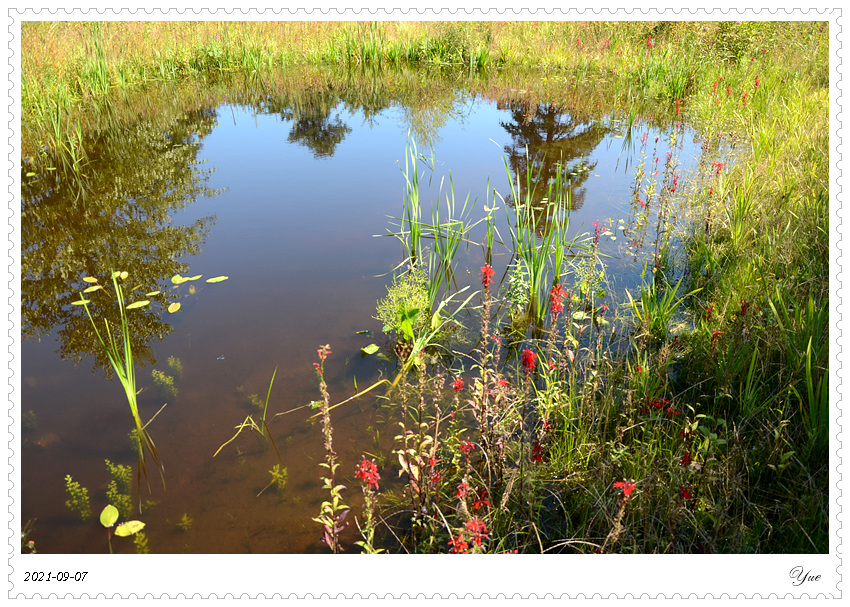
(185, 522)
(279, 476)
(176, 366)
(78, 498)
(261, 429)
(332, 513)
(119, 489)
(164, 384)
(108, 518)
(120, 355)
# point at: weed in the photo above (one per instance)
(78, 498)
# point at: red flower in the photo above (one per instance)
(458, 544)
(462, 490)
(503, 382)
(481, 501)
(529, 359)
(626, 487)
(467, 447)
(457, 385)
(368, 472)
(744, 307)
(536, 452)
(478, 530)
(556, 298)
(685, 492)
(487, 274)
(686, 459)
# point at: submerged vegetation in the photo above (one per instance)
(689, 415)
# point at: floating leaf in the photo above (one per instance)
(152, 293)
(89, 279)
(80, 302)
(177, 279)
(115, 274)
(92, 289)
(30, 174)
(193, 277)
(109, 516)
(370, 349)
(124, 275)
(174, 307)
(138, 304)
(364, 332)
(217, 279)
(129, 528)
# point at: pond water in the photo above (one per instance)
(285, 196)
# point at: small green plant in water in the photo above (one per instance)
(164, 384)
(119, 489)
(176, 366)
(140, 541)
(108, 518)
(406, 308)
(78, 498)
(185, 522)
(279, 474)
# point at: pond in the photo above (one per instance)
(292, 190)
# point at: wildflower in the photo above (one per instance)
(675, 185)
(482, 501)
(368, 472)
(671, 411)
(458, 544)
(686, 459)
(462, 490)
(758, 82)
(718, 167)
(503, 382)
(626, 487)
(685, 493)
(536, 452)
(556, 298)
(649, 42)
(478, 530)
(487, 274)
(467, 447)
(529, 359)
(639, 369)
(708, 312)
(744, 307)
(457, 385)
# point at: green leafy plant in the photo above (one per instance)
(176, 366)
(108, 518)
(185, 522)
(119, 489)
(78, 500)
(164, 384)
(120, 354)
(279, 476)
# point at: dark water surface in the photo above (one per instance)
(285, 200)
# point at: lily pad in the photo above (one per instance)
(370, 349)
(129, 528)
(174, 307)
(138, 304)
(217, 279)
(109, 516)
(90, 279)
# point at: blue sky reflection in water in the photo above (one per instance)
(301, 200)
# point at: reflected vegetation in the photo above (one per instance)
(548, 141)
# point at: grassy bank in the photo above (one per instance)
(709, 436)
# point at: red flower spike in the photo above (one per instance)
(626, 487)
(457, 385)
(529, 359)
(487, 274)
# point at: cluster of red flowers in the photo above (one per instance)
(457, 385)
(529, 359)
(459, 544)
(477, 530)
(556, 298)
(627, 487)
(482, 501)
(467, 447)
(323, 354)
(686, 459)
(708, 312)
(487, 274)
(462, 490)
(536, 452)
(744, 307)
(675, 185)
(717, 167)
(368, 472)
(758, 82)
